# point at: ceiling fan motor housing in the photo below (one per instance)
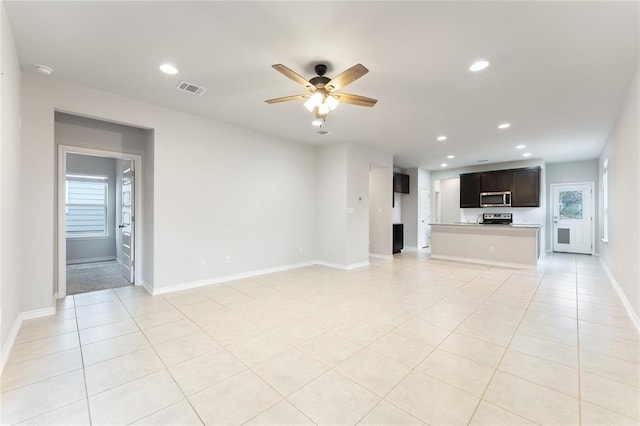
(321, 69)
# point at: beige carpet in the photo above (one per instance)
(86, 277)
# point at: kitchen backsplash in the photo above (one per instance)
(521, 215)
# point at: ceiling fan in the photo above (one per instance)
(323, 93)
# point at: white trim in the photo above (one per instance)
(623, 297)
(381, 256)
(343, 267)
(90, 260)
(61, 253)
(222, 279)
(484, 262)
(38, 313)
(11, 338)
(147, 287)
(15, 329)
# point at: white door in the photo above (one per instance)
(127, 224)
(573, 218)
(425, 217)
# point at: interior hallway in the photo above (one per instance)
(408, 341)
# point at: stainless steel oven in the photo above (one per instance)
(497, 218)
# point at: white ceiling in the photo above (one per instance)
(559, 70)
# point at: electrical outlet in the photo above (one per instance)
(227, 259)
(491, 248)
(203, 262)
(300, 250)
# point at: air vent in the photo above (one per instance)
(194, 89)
(323, 132)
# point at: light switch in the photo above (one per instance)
(350, 210)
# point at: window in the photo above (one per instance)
(605, 200)
(86, 206)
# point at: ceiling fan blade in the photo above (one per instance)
(286, 99)
(355, 99)
(348, 76)
(293, 76)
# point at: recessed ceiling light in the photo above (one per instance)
(479, 65)
(43, 70)
(442, 138)
(526, 154)
(521, 146)
(168, 69)
(504, 125)
(443, 165)
(451, 156)
(317, 123)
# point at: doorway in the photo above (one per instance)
(98, 201)
(573, 221)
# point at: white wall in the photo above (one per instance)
(450, 200)
(148, 172)
(90, 249)
(343, 203)
(380, 231)
(622, 252)
(332, 203)
(415, 230)
(10, 212)
(218, 190)
(410, 210)
(360, 159)
(572, 172)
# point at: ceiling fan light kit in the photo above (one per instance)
(323, 96)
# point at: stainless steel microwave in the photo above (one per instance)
(495, 199)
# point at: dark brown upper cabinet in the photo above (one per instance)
(470, 184)
(496, 181)
(525, 190)
(524, 185)
(401, 183)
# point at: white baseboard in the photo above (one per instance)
(381, 256)
(621, 294)
(11, 338)
(15, 328)
(340, 266)
(90, 260)
(484, 262)
(224, 278)
(147, 287)
(38, 313)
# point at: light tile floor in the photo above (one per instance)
(408, 341)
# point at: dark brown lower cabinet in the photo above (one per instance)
(398, 237)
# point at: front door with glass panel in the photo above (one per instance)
(573, 218)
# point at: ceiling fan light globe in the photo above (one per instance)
(314, 101)
(331, 102)
(323, 109)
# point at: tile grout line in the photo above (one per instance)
(84, 373)
(166, 368)
(413, 369)
(578, 346)
(506, 349)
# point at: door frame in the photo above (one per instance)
(591, 207)
(61, 253)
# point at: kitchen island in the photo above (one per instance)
(515, 246)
